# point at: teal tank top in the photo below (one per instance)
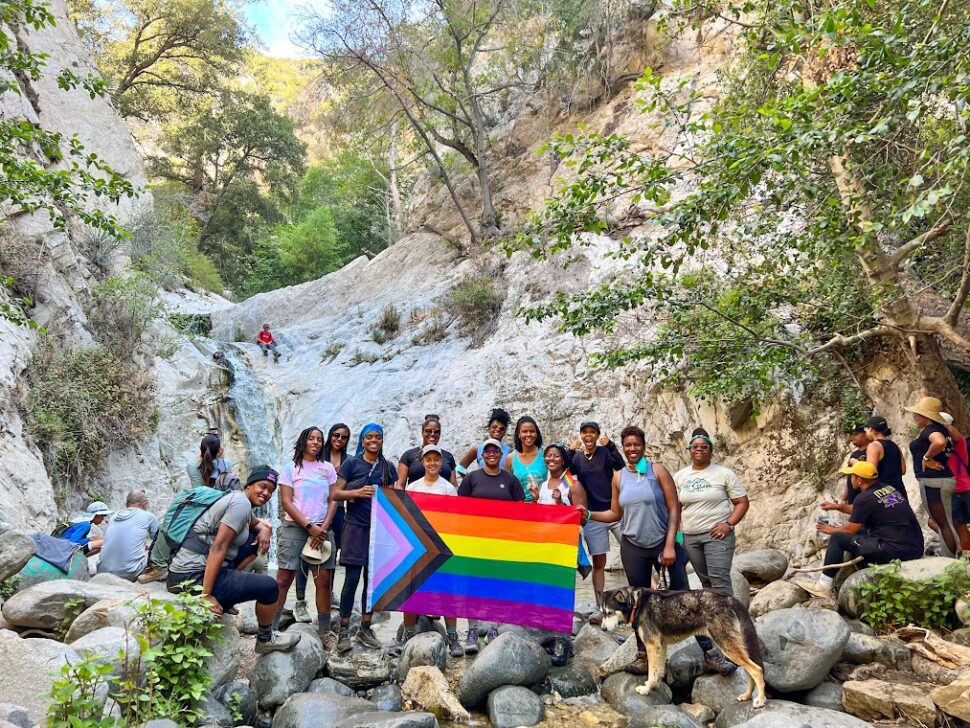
(537, 468)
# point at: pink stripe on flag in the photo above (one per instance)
(401, 550)
(490, 610)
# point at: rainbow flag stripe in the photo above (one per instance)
(468, 557)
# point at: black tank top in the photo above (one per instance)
(891, 466)
(921, 445)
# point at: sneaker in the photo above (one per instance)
(471, 642)
(329, 639)
(454, 645)
(492, 634)
(812, 586)
(343, 640)
(639, 666)
(153, 574)
(398, 647)
(715, 662)
(366, 637)
(300, 612)
(279, 642)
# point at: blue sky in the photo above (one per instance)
(275, 21)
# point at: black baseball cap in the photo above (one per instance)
(876, 423)
(589, 423)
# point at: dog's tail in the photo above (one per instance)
(749, 632)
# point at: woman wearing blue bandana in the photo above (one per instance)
(357, 481)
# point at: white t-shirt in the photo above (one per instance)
(705, 496)
(439, 487)
(545, 494)
(311, 487)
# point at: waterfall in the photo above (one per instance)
(258, 422)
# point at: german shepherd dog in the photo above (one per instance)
(661, 618)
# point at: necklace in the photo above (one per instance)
(589, 455)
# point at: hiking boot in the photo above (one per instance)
(639, 666)
(492, 634)
(398, 647)
(714, 661)
(471, 642)
(343, 640)
(329, 639)
(366, 637)
(454, 645)
(812, 586)
(279, 642)
(300, 612)
(153, 574)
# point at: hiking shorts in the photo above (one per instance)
(597, 536)
(292, 539)
(961, 508)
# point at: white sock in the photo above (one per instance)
(825, 581)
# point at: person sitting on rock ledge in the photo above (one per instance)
(891, 527)
(267, 343)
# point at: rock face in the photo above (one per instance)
(27, 671)
(278, 675)
(800, 646)
(427, 648)
(878, 700)
(512, 706)
(427, 687)
(507, 660)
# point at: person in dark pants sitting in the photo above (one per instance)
(892, 531)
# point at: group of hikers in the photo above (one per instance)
(661, 520)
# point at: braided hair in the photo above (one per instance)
(300, 447)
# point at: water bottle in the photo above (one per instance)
(825, 520)
(533, 484)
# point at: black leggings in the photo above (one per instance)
(352, 577)
(869, 547)
(640, 563)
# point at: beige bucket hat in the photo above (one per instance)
(930, 408)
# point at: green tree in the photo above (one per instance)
(159, 54)
(823, 191)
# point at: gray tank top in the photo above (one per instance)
(645, 515)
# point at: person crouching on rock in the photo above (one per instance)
(305, 496)
(432, 482)
(209, 556)
(357, 482)
(891, 527)
(645, 503)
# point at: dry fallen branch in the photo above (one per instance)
(934, 648)
(807, 569)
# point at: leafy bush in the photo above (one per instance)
(387, 326)
(477, 301)
(120, 311)
(166, 679)
(79, 403)
(8, 587)
(889, 602)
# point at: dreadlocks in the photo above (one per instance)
(300, 446)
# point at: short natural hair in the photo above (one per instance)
(633, 431)
(136, 497)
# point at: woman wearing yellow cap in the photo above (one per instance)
(892, 531)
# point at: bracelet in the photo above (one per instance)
(589, 515)
(461, 469)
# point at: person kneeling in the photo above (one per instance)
(892, 531)
(208, 558)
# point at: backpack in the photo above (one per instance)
(225, 482)
(182, 515)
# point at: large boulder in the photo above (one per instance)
(685, 663)
(740, 587)
(213, 714)
(800, 646)
(223, 664)
(329, 686)
(109, 646)
(620, 691)
(313, 710)
(362, 667)
(668, 716)
(571, 680)
(918, 571)
(785, 714)
(827, 695)
(593, 645)
(954, 699)
(278, 675)
(16, 715)
(52, 605)
(777, 595)
(387, 719)
(718, 692)
(239, 698)
(621, 657)
(512, 705)
(15, 551)
(761, 566)
(387, 697)
(506, 660)
(427, 687)
(28, 668)
(882, 700)
(427, 648)
(118, 611)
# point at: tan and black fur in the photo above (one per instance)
(662, 618)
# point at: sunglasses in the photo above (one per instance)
(491, 451)
(431, 431)
(335, 436)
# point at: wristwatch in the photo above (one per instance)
(729, 525)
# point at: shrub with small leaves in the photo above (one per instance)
(888, 601)
(477, 301)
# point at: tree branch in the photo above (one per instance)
(953, 315)
(937, 231)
